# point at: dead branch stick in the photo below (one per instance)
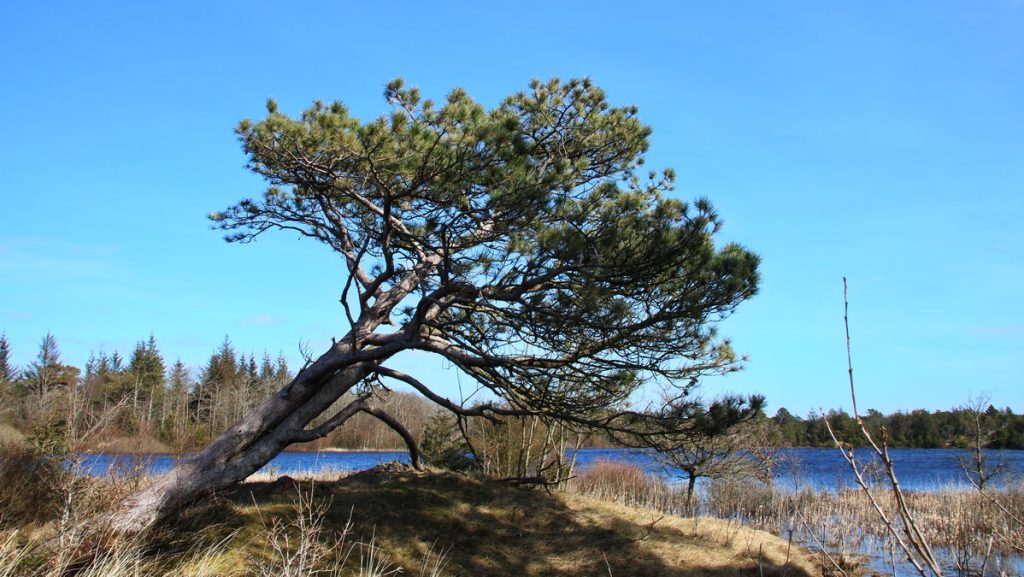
(918, 552)
(820, 545)
(993, 500)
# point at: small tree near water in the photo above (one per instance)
(443, 444)
(981, 428)
(742, 451)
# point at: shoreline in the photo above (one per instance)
(93, 451)
(168, 454)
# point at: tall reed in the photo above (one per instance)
(965, 526)
(629, 485)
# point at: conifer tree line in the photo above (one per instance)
(140, 401)
(962, 427)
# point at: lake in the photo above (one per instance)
(822, 469)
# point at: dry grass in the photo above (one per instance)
(612, 517)
(322, 475)
(627, 484)
(24, 486)
(137, 443)
(36, 491)
(10, 436)
(958, 520)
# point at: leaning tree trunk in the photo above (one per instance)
(253, 441)
(282, 419)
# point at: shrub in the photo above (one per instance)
(26, 488)
(443, 445)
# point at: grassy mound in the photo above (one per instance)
(485, 528)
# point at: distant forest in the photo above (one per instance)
(140, 402)
(959, 427)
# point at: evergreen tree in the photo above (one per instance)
(789, 427)
(146, 372)
(46, 373)
(266, 368)
(116, 362)
(8, 372)
(179, 380)
(223, 368)
(272, 374)
(916, 429)
(251, 370)
(218, 385)
(179, 383)
(281, 372)
(105, 382)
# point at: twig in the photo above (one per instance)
(918, 550)
(607, 564)
(648, 529)
(995, 501)
(821, 546)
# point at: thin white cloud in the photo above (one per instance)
(1003, 331)
(12, 315)
(53, 257)
(259, 320)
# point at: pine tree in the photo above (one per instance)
(266, 367)
(179, 384)
(281, 372)
(251, 370)
(146, 371)
(46, 373)
(523, 244)
(105, 381)
(116, 363)
(219, 383)
(8, 372)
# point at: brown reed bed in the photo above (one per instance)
(966, 526)
(627, 484)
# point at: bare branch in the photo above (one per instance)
(486, 410)
(334, 422)
(918, 551)
(410, 442)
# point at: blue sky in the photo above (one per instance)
(883, 141)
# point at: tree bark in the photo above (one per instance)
(691, 483)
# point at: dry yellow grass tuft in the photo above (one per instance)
(11, 436)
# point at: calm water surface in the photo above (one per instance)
(917, 469)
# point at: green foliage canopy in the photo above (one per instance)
(522, 243)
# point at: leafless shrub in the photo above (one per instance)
(300, 546)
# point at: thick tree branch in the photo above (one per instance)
(347, 248)
(410, 442)
(334, 422)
